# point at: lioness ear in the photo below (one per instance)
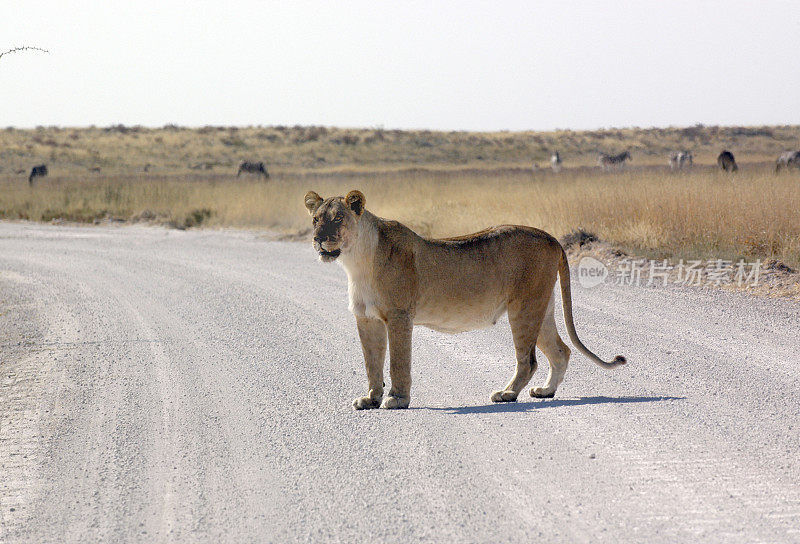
(312, 201)
(356, 201)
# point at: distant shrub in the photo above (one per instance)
(751, 131)
(120, 129)
(268, 136)
(350, 139)
(578, 237)
(84, 215)
(195, 218)
(774, 264)
(234, 141)
(310, 134)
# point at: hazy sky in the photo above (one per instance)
(437, 65)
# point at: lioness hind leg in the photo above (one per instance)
(522, 376)
(557, 354)
(525, 320)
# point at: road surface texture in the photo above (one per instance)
(169, 386)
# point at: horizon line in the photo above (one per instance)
(177, 126)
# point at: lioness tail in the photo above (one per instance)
(566, 301)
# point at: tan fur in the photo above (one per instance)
(398, 279)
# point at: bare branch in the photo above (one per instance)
(24, 48)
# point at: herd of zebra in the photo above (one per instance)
(248, 167)
(678, 160)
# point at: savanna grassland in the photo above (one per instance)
(440, 183)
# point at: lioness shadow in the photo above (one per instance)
(538, 404)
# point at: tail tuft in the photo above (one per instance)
(620, 360)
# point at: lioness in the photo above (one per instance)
(398, 279)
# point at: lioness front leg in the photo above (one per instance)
(372, 333)
(399, 325)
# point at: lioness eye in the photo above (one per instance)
(337, 219)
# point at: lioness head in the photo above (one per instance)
(335, 222)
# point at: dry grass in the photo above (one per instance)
(440, 183)
(172, 150)
(700, 215)
(651, 211)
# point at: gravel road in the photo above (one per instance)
(159, 385)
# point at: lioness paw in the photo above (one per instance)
(542, 393)
(504, 396)
(391, 402)
(365, 403)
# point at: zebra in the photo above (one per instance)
(607, 161)
(679, 159)
(790, 159)
(38, 171)
(252, 168)
(727, 162)
(555, 162)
